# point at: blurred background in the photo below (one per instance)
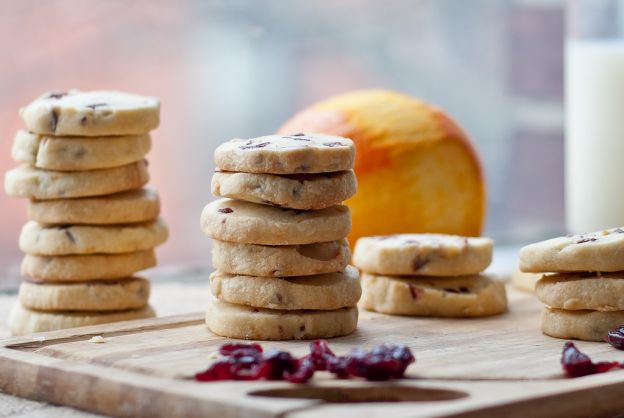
(240, 68)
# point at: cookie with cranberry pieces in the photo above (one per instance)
(597, 251)
(286, 154)
(91, 113)
(423, 254)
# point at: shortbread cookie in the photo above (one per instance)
(296, 191)
(323, 291)
(34, 183)
(580, 325)
(468, 296)
(70, 268)
(26, 321)
(251, 223)
(286, 154)
(281, 260)
(248, 323)
(139, 205)
(597, 251)
(92, 113)
(574, 291)
(423, 254)
(43, 239)
(106, 295)
(525, 281)
(78, 153)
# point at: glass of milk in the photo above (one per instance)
(594, 86)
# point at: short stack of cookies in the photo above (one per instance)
(584, 296)
(428, 275)
(91, 224)
(279, 238)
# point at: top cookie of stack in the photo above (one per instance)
(91, 224)
(584, 297)
(279, 238)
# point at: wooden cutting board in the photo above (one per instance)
(496, 367)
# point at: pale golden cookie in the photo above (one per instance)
(323, 291)
(296, 191)
(91, 113)
(286, 154)
(139, 205)
(40, 239)
(251, 223)
(248, 323)
(280, 260)
(69, 268)
(423, 254)
(597, 251)
(461, 297)
(34, 183)
(573, 291)
(524, 281)
(27, 321)
(580, 325)
(105, 295)
(69, 153)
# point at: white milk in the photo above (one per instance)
(594, 135)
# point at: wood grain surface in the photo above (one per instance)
(500, 367)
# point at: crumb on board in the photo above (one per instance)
(97, 339)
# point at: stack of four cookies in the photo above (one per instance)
(428, 275)
(584, 297)
(91, 224)
(279, 238)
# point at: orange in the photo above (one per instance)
(417, 170)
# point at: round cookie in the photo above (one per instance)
(525, 281)
(251, 223)
(574, 291)
(92, 113)
(139, 205)
(27, 321)
(34, 183)
(327, 291)
(286, 154)
(580, 325)
(248, 323)
(70, 268)
(597, 251)
(119, 295)
(282, 260)
(42, 239)
(78, 153)
(296, 191)
(454, 297)
(423, 254)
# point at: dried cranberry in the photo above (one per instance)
(577, 364)
(304, 371)
(615, 337)
(219, 370)
(321, 355)
(275, 364)
(230, 349)
(225, 210)
(249, 145)
(382, 363)
(334, 144)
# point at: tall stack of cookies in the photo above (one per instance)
(91, 224)
(279, 238)
(428, 275)
(584, 297)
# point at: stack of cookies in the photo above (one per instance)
(584, 297)
(91, 224)
(428, 275)
(279, 238)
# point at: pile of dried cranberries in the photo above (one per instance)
(250, 362)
